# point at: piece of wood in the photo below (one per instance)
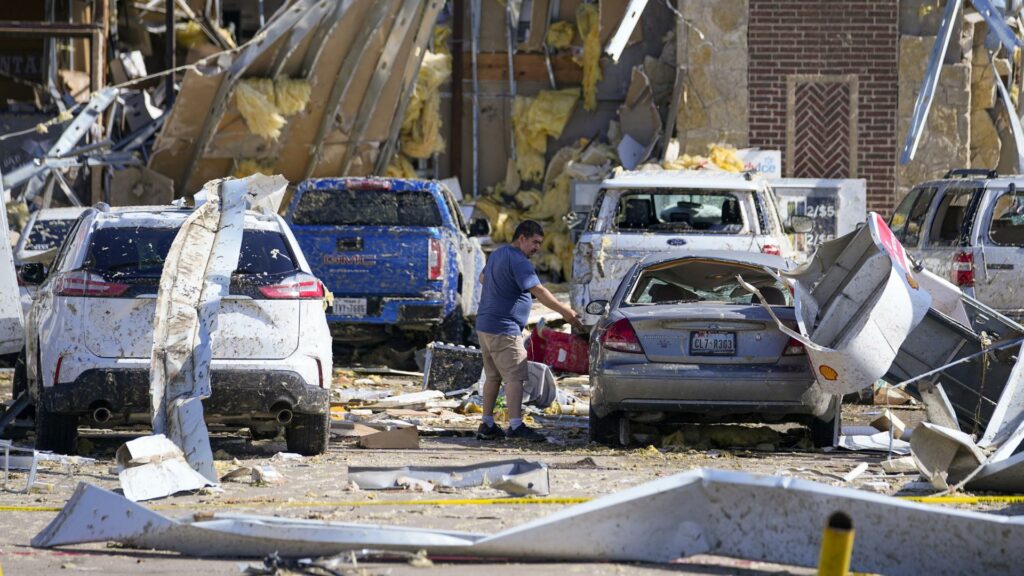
(397, 439)
(528, 68)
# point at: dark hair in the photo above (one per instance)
(528, 228)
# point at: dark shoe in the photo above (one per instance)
(491, 432)
(524, 432)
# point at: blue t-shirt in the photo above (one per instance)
(505, 298)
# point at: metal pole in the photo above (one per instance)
(475, 32)
(455, 138)
(169, 56)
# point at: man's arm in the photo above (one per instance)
(548, 299)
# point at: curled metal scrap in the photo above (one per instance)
(734, 514)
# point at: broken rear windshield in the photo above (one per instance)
(367, 208)
(121, 251)
(46, 234)
(699, 280)
(670, 210)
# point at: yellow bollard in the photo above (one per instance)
(836, 546)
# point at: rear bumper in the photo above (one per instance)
(696, 389)
(237, 395)
(396, 311)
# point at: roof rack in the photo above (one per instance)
(971, 172)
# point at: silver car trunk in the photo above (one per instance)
(701, 333)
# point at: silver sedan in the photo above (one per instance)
(682, 341)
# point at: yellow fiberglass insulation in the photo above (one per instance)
(534, 121)
(503, 219)
(421, 125)
(441, 36)
(291, 95)
(588, 22)
(400, 167)
(260, 114)
(560, 35)
(190, 35)
(725, 158)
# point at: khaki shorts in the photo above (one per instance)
(504, 358)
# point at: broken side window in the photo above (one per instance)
(672, 210)
(898, 222)
(367, 208)
(949, 217)
(1007, 225)
(911, 234)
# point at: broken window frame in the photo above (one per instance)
(990, 218)
(748, 229)
(942, 212)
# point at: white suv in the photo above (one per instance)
(89, 333)
(676, 211)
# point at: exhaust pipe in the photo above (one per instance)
(284, 416)
(101, 414)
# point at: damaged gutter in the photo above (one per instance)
(196, 275)
(731, 514)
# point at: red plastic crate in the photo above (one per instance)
(561, 351)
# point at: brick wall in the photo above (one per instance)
(791, 42)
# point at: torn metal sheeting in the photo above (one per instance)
(944, 456)
(195, 277)
(877, 442)
(625, 30)
(1003, 476)
(856, 300)
(732, 514)
(517, 477)
(16, 462)
(154, 467)
(640, 121)
(926, 95)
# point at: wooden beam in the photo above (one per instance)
(528, 68)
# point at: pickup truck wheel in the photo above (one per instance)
(453, 328)
(604, 430)
(308, 434)
(56, 432)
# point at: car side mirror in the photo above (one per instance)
(32, 273)
(597, 307)
(800, 224)
(479, 227)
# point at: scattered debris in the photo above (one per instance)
(889, 421)
(730, 514)
(29, 463)
(517, 477)
(451, 368)
(406, 438)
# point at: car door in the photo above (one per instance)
(470, 256)
(1000, 237)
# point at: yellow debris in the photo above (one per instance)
(41, 128)
(503, 219)
(536, 119)
(259, 113)
(65, 116)
(190, 35)
(588, 21)
(725, 158)
(560, 35)
(400, 167)
(291, 95)
(441, 36)
(249, 167)
(421, 126)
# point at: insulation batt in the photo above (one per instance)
(534, 121)
(421, 125)
(560, 35)
(260, 114)
(588, 21)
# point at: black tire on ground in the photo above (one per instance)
(308, 434)
(604, 430)
(453, 328)
(56, 432)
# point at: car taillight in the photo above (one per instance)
(56, 371)
(621, 337)
(81, 283)
(297, 287)
(435, 260)
(794, 348)
(963, 269)
(771, 249)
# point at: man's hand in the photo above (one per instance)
(573, 319)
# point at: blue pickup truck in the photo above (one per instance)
(396, 253)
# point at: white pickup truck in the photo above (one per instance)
(647, 212)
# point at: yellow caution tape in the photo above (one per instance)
(1014, 499)
(338, 504)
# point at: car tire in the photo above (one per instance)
(453, 327)
(56, 432)
(605, 429)
(308, 434)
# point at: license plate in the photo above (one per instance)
(349, 307)
(712, 343)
